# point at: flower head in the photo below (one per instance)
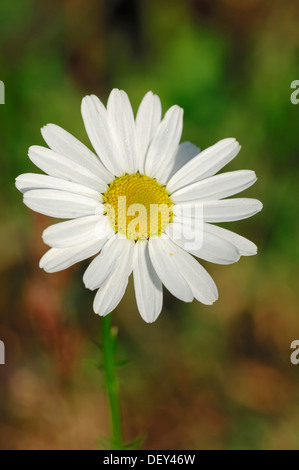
(143, 203)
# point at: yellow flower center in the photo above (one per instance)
(137, 206)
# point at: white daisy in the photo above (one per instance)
(142, 160)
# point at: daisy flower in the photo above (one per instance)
(140, 163)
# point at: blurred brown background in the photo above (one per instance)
(201, 377)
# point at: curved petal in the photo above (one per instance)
(245, 247)
(58, 259)
(64, 143)
(63, 167)
(61, 204)
(121, 118)
(226, 210)
(147, 120)
(102, 267)
(164, 144)
(101, 136)
(77, 231)
(110, 294)
(148, 287)
(163, 259)
(186, 151)
(194, 275)
(216, 187)
(206, 245)
(201, 283)
(230, 209)
(205, 164)
(29, 181)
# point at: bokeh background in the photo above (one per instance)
(201, 377)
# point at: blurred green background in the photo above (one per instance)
(201, 377)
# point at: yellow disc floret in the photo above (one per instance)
(137, 206)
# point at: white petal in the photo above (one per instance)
(101, 135)
(230, 209)
(164, 144)
(147, 120)
(202, 285)
(194, 275)
(77, 231)
(245, 247)
(61, 204)
(148, 287)
(226, 210)
(105, 263)
(111, 293)
(205, 245)
(29, 181)
(63, 167)
(162, 255)
(206, 164)
(64, 143)
(185, 152)
(216, 187)
(121, 118)
(57, 259)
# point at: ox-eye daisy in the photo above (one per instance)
(142, 160)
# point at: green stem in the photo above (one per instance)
(109, 340)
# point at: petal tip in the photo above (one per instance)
(259, 206)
